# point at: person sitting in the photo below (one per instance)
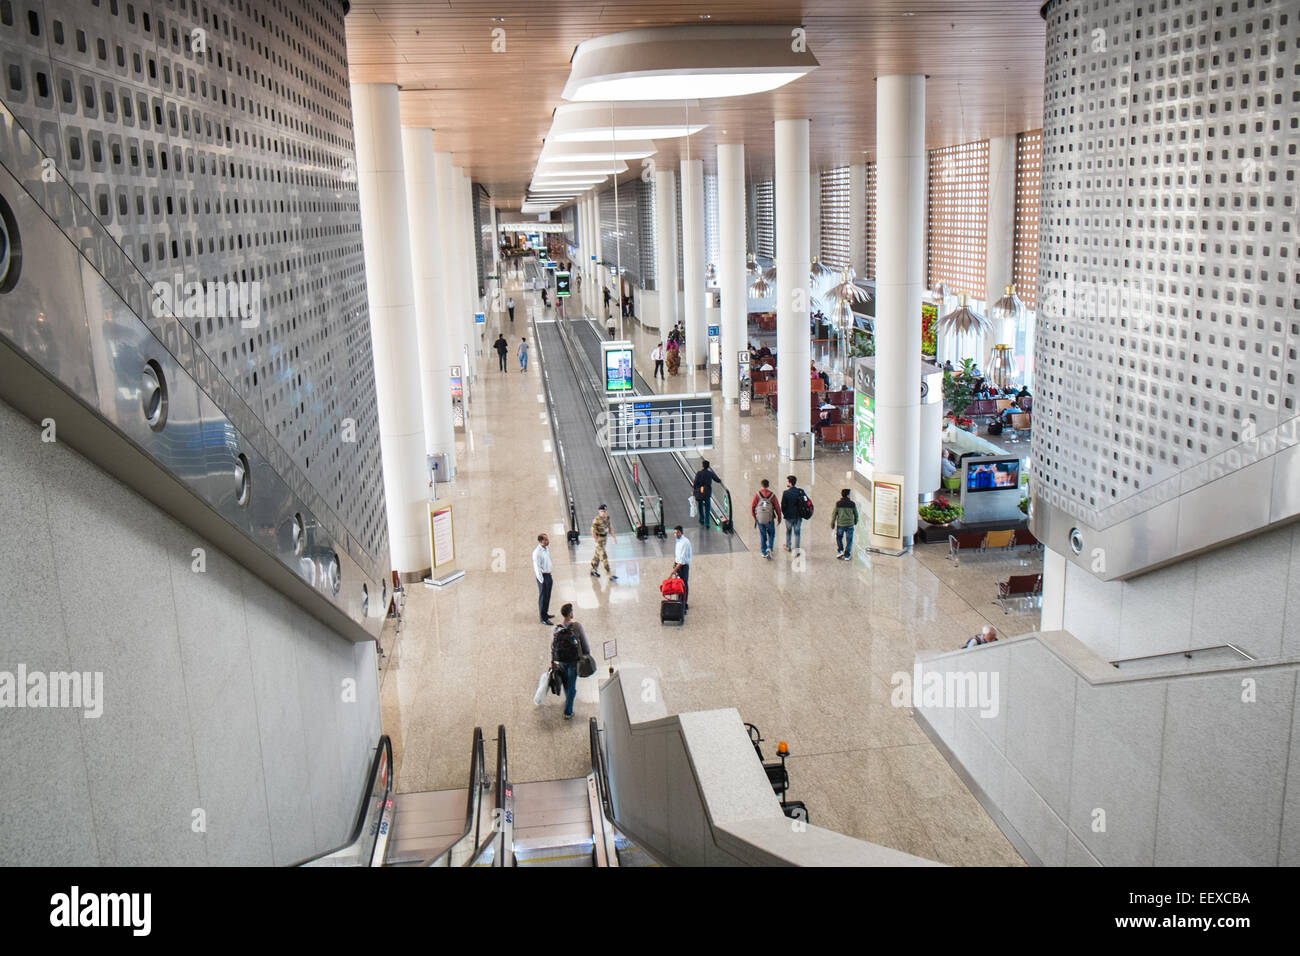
(947, 467)
(823, 419)
(987, 635)
(1004, 416)
(1023, 393)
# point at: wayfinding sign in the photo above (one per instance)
(644, 424)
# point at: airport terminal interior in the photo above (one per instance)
(650, 434)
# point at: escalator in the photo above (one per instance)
(490, 822)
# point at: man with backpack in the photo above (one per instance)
(843, 520)
(795, 506)
(767, 512)
(702, 488)
(568, 646)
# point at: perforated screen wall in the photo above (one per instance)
(213, 141)
(1169, 313)
(1029, 169)
(871, 220)
(959, 208)
(835, 217)
(621, 239)
(764, 219)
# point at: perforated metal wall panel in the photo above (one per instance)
(765, 219)
(871, 220)
(621, 240)
(959, 215)
(1029, 175)
(211, 142)
(1168, 286)
(835, 217)
(711, 233)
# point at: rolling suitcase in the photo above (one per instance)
(671, 610)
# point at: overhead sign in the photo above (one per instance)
(617, 361)
(561, 283)
(655, 423)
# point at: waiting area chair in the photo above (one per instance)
(1019, 588)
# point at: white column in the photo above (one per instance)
(814, 215)
(445, 176)
(426, 267)
(901, 177)
(598, 269)
(469, 273)
(731, 264)
(666, 249)
(591, 285)
(381, 191)
(793, 335)
(858, 219)
(693, 264)
(1001, 237)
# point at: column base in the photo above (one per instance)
(413, 577)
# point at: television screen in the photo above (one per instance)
(993, 475)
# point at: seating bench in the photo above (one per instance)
(1018, 587)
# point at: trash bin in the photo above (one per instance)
(801, 446)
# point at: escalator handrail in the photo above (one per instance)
(559, 444)
(383, 757)
(501, 827)
(473, 802)
(580, 363)
(601, 772)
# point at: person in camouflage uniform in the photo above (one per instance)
(600, 530)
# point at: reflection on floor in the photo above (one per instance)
(806, 649)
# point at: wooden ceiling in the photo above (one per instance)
(984, 59)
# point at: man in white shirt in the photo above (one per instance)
(658, 356)
(682, 564)
(510, 307)
(542, 571)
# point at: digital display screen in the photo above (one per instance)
(993, 475)
(618, 369)
(561, 283)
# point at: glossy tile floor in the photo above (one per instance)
(805, 650)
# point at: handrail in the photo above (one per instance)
(354, 846)
(572, 533)
(473, 805)
(503, 825)
(596, 408)
(610, 828)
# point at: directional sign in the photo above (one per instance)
(654, 423)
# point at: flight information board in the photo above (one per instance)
(652, 423)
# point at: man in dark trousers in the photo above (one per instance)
(502, 347)
(702, 488)
(568, 646)
(682, 554)
(607, 297)
(542, 571)
(510, 307)
(792, 510)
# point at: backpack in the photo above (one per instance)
(701, 487)
(766, 510)
(564, 646)
(805, 506)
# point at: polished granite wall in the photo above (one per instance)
(219, 694)
(1089, 766)
(1247, 594)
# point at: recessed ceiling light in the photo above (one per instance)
(676, 63)
(706, 16)
(503, 19)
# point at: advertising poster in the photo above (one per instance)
(864, 434)
(561, 283)
(886, 509)
(618, 368)
(441, 536)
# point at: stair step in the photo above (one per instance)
(425, 823)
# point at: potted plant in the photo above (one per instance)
(940, 513)
(1024, 505)
(957, 395)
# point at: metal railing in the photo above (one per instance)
(366, 844)
(465, 848)
(598, 412)
(571, 533)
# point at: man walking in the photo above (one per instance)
(510, 307)
(568, 645)
(767, 512)
(843, 520)
(600, 529)
(658, 356)
(542, 571)
(523, 355)
(502, 347)
(682, 564)
(792, 507)
(702, 488)
(607, 297)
